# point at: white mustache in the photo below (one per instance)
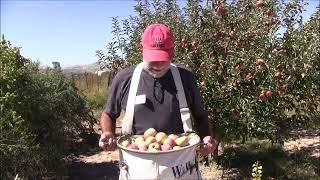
(156, 73)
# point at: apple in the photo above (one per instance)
(169, 141)
(150, 140)
(143, 147)
(277, 74)
(182, 141)
(160, 137)
(232, 34)
(259, 3)
(237, 68)
(166, 147)
(154, 147)
(176, 147)
(219, 10)
(259, 61)
(133, 146)
(184, 41)
(269, 12)
(269, 93)
(173, 136)
(207, 139)
(149, 132)
(139, 140)
(262, 97)
(125, 143)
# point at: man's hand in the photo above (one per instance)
(107, 141)
(208, 145)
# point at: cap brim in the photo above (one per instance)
(157, 55)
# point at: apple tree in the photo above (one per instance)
(256, 64)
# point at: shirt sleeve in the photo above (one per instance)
(200, 116)
(113, 105)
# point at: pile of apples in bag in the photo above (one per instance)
(153, 141)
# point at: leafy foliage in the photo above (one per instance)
(256, 64)
(40, 113)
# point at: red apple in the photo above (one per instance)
(219, 10)
(207, 139)
(269, 12)
(277, 74)
(169, 141)
(269, 93)
(166, 147)
(232, 34)
(262, 97)
(173, 136)
(259, 61)
(259, 3)
(132, 146)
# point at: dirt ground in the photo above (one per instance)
(100, 165)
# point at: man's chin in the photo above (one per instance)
(157, 74)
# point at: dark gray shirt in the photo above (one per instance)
(161, 109)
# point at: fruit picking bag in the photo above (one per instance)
(166, 165)
(172, 164)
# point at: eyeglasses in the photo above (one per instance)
(158, 91)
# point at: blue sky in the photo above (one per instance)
(67, 31)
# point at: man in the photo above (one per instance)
(156, 104)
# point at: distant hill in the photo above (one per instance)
(81, 69)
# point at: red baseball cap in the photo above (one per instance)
(157, 43)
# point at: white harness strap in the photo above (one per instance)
(184, 110)
(127, 120)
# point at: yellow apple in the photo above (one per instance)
(154, 147)
(160, 137)
(182, 141)
(150, 140)
(149, 132)
(125, 143)
(139, 140)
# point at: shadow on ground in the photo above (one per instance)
(78, 170)
(275, 161)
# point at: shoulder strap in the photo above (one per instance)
(184, 109)
(127, 120)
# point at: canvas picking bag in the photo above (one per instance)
(172, 164)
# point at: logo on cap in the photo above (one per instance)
(157, 42)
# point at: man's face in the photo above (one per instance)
(157, 68)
